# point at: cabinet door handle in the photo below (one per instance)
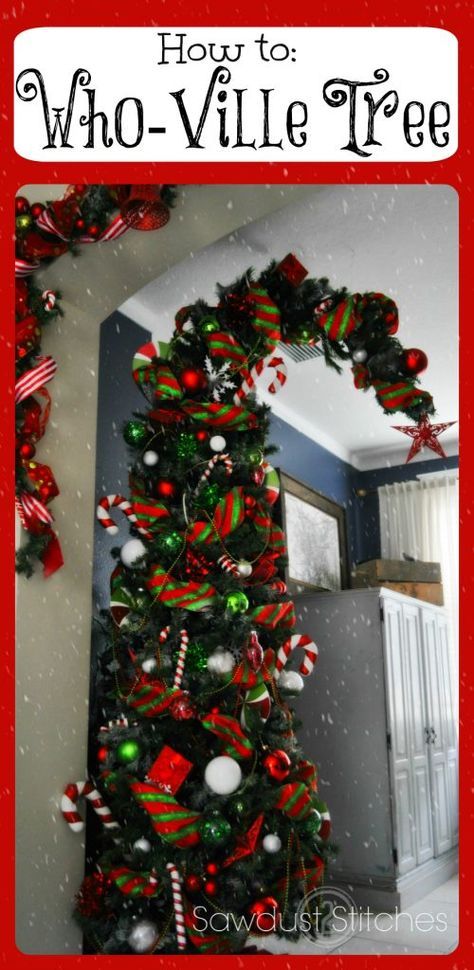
(434, 736)
(427, 735)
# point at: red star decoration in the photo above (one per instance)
(246, 843)
(425, 435)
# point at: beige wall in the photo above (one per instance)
(54, 616)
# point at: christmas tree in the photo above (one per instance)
(213, 828)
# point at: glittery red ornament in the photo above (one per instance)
(254, 652)
(202, 435)
(27, 450)
(90, 900)
(265, 912)
(257, 475)
(183, 709)
(210, 887)
(165, 488)
(413, 361)
(277, 764)
(21, 205)
(192, 883)
(102, 754)
(36, 209)
(193, 380)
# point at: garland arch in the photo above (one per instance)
(205, 796)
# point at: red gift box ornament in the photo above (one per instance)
(144, 208)
(291, 268)
(170, 769)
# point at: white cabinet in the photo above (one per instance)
(383, 732)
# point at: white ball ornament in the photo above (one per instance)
(244, 568)
(220, 662)
(217, 442)
(359, 356)
(132, 551)
(223, 775)
(142, 845)
(271, 843)
(291, 681)
(143, 936)
(148, 665)
(150, 458)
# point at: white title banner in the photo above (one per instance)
(236, 94)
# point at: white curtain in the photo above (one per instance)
(421, 518)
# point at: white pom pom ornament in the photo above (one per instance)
(132, 551)
(223, 775)
(291, 681)
(150, 458)
(220, 662)
(217, 442)
(271, 843)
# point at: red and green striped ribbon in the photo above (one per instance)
(166, 385)
(133, 883)
(217, 415)
(230, 732)
(228, 516)
(294, 800)
(224, 345)
(267, 317)
(307, 772)
(149, 512)
(339, 322)
(361, 377)
(171, 821)
(271, 615)
(181, 595)
(152, 697)
(213, 943)
(399, 396)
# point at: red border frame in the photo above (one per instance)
(455, 171)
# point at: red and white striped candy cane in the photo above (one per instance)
(164, 635)
(250, 377)
(49, 299)
(178, 905)
(183, 648)
(118, 501)
(228, 565)
(297, 641)
(228, 465)
(69, 800)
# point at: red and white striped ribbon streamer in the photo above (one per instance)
(178, 905)
(297, 641)
(24, 267)
(35, 378)
(276, 364)
(72, 794)
(118, 501)
(34, 510)
(183, 647)
(114, 230)
(46, 222)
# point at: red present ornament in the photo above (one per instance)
(43, 480)
(291, 268)
(170, 769)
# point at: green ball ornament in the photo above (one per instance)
(209, 325)
(186, 446)
(239, 807)
(313, 823)
(135, 433)
(209, 496)
(304, 334)
(255, 456)
(171, 543)
(215, 831)
(128, 751)
(236, 602)
(24, 221)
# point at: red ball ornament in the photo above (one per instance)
(212, 868)
(210, 887)
(183, 709)
(27, 450)
(413, 361)
(192, 884)
(93, 230)
(36, 209)
(202, 435)
(102, 754)
(79, 189)
(165, 488)
(265, 912)
(21, 205)
(258, 475)
(277, 764)
(80, 224)
(193, 380)
(215, 710)
(46, 492)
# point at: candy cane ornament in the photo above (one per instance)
(178, 905)
(250, 377)
(183, 648)
(228, 565)
(49, 300)
(118, 501)
(72, 794)
(227, 462)
(294, 642)
(271, 483)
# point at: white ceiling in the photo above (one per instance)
(401, 240)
